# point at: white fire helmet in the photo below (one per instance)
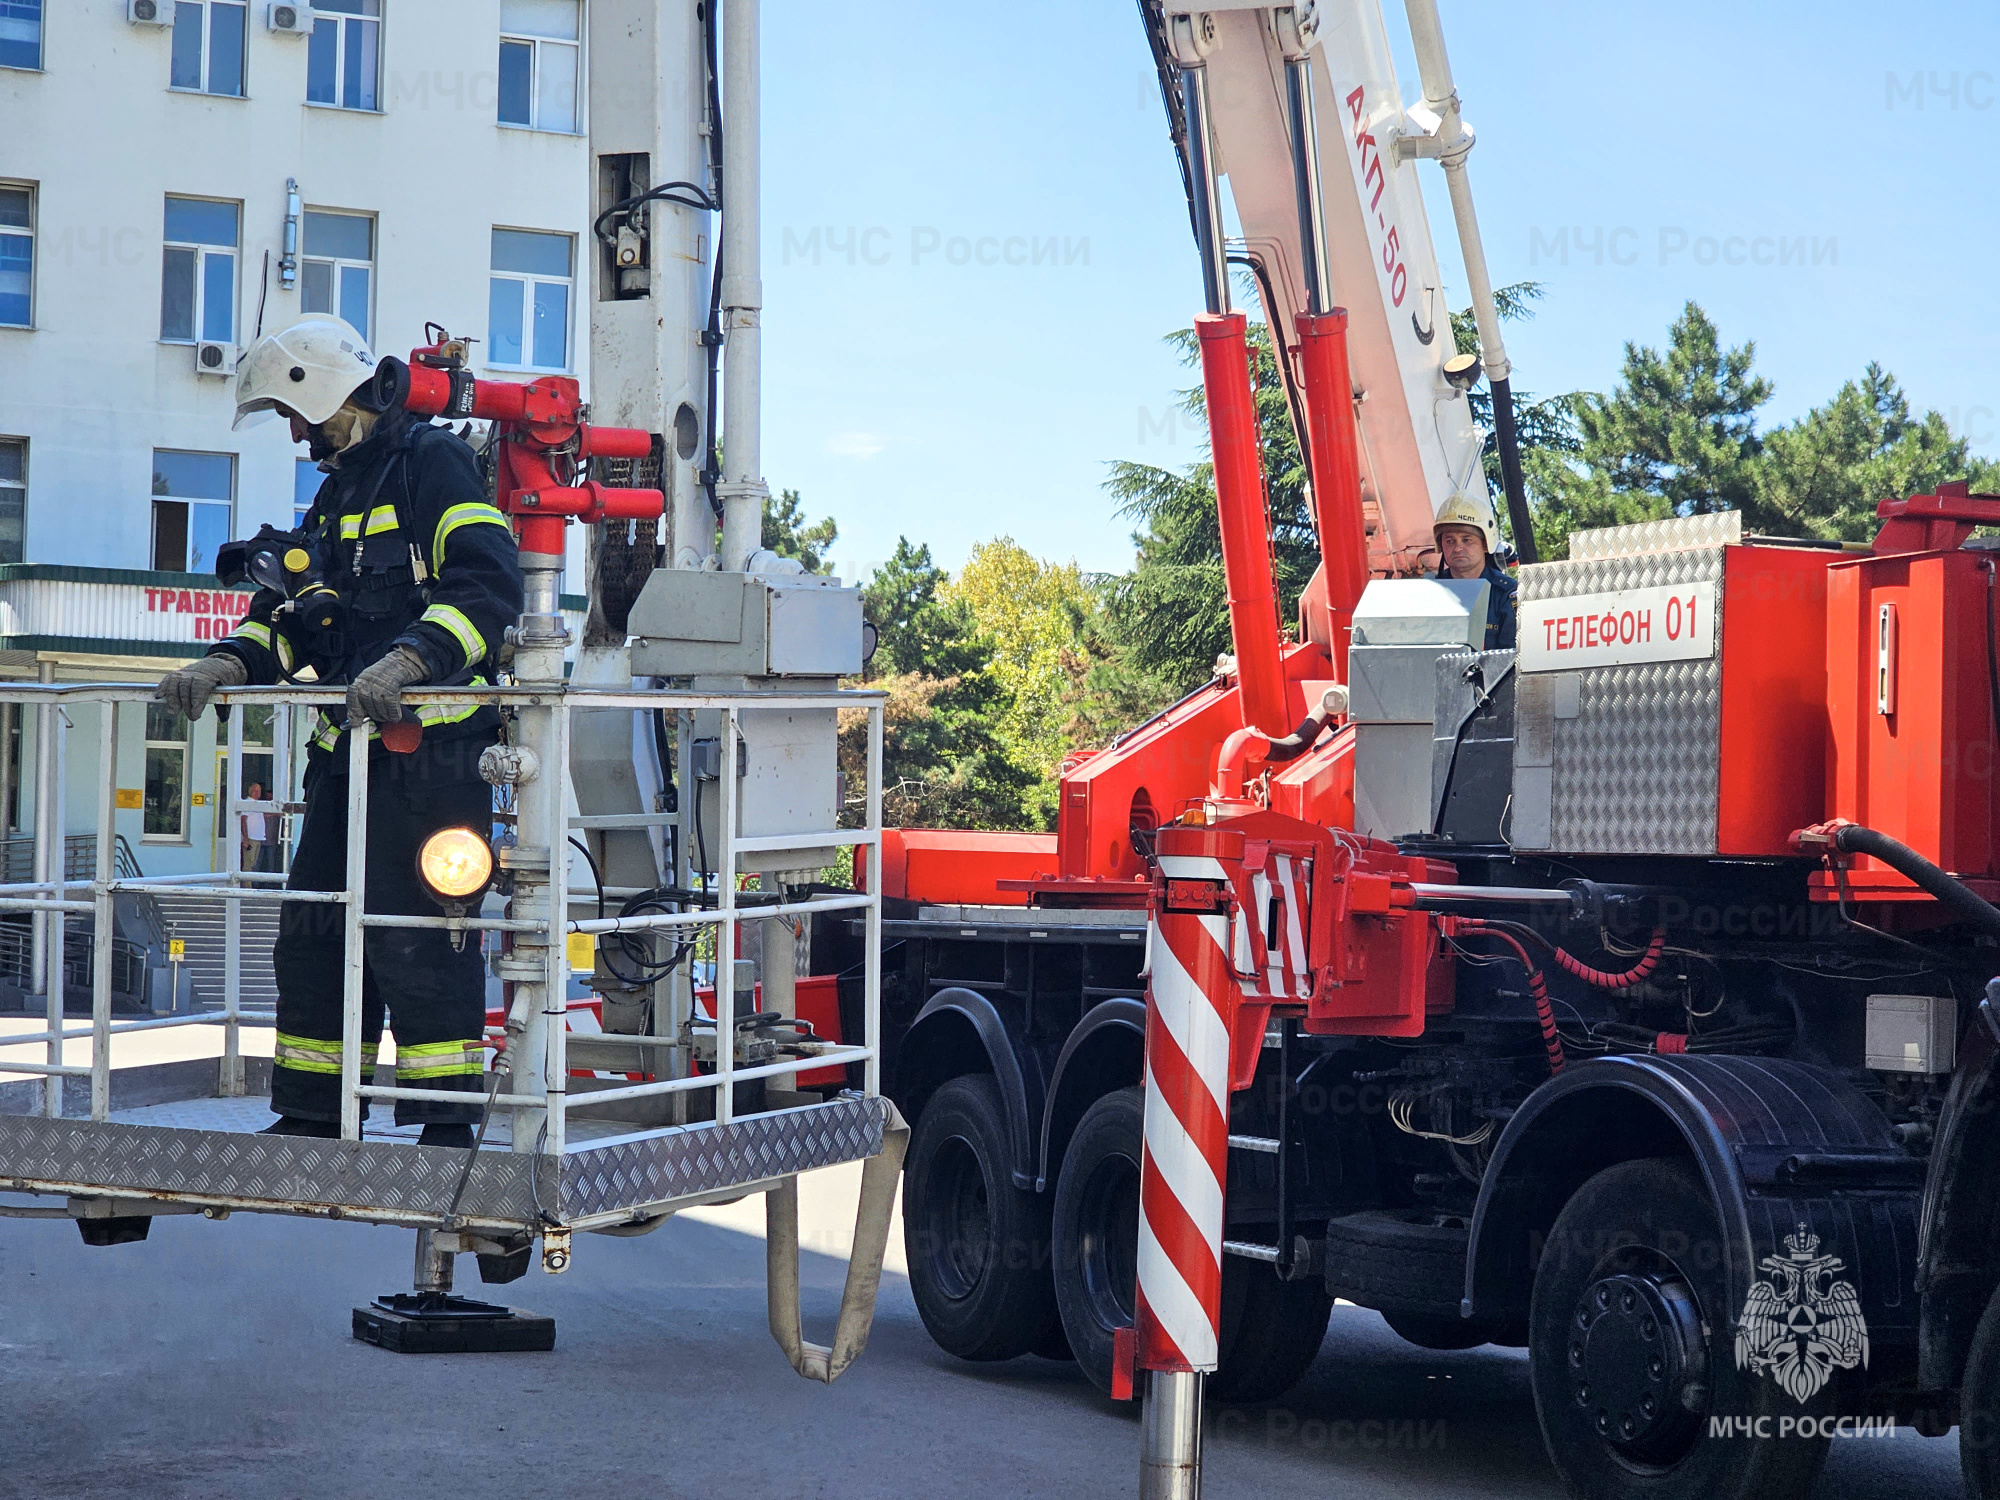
(1468, 510)
(311, 368)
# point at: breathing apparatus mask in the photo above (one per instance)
(288, 562)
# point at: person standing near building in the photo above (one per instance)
(259, 834)
(428, 579)
(1465, 542)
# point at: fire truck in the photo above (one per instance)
(1622, 997)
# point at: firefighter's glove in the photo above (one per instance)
(188, 690)
(377, 693)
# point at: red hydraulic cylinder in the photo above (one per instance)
(1335, 444)
(1246, 531)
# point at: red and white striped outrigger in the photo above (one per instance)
(1251, 914)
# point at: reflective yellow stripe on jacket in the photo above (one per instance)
(257, 633)
(456, 516)
(382, 518)
(430, 715)
(458, 625)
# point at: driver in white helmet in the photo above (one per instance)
(428, 581)
(1466, 543)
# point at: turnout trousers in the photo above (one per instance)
(435, 996)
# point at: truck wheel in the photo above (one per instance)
(1096, 1236)
(978, 1246)
(1979, 1409)
(1630, 1352)
(1271, 1329)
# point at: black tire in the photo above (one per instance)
(1625, 1256)
(1096, 1229)
(1979, 1409)
(978, 1246)
(1397, 1263)
(1271, 1329)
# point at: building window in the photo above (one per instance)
(208, 47)
(21, 34)
(538, 63)
(192, 495)
(167, 735)
(13, 500)
(343, 59)
(17, 255)
(337, 272)
(198, 272)
(307, 477)
(527, 325)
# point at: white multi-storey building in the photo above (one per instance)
(176, 178)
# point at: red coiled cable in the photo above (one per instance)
(1545, 1012)
(1619, 981)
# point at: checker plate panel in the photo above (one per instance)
(1638, 770)
(398, 1182)
(703, 1158)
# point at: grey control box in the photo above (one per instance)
(687, 623)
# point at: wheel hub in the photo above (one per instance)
(1636, 1363)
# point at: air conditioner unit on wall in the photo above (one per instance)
(150, 12)
(290, 20)
(211, 358)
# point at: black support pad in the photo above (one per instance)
(407, 1323)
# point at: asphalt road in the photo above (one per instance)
(215, 1360)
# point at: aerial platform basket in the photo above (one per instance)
(123, 1145)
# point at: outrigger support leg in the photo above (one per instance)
(430, 1320)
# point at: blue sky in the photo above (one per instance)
(1623, 148)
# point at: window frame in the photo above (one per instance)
(202, 251)
(339, 18)
(187, 502)
(41, 42)
(207, 8)
(33, 233)
(530, 280)
(299, 467)
(8, 440)
(184, 747)
(338, 264)
(535, 44)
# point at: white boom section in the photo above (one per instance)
(648, 369)
(1419, 443)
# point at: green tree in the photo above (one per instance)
(1031, 611)
(1823, 474)
(1677, 437)
(944, 762)
(787, 534)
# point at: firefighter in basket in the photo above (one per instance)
(401, 574)
(1466, 544)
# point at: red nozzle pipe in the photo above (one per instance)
(1246, 530)
(1335, 444)
(616, 442)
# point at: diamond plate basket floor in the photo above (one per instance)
(633, 1175)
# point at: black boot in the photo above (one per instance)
(437, 1133)
(319, 1130)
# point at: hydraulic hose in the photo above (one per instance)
(1545, 1011)
(1952, 894)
